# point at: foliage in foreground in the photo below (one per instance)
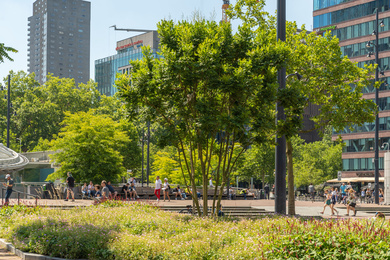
(120, 231)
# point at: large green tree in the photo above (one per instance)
(330, 81)
(214, 90)
(88, 146)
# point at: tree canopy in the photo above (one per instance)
(213, 89)
(88, 146)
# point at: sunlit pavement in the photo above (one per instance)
(302, 208)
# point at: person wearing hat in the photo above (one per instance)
(9, 184)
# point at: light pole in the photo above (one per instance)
(280, 148)
(376, 158)
(147, 156)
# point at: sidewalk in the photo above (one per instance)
(303, 208)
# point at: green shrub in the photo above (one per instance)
(119, 230)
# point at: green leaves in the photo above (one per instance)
(88, 146)
(4, 50)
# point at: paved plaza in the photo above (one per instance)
(302, 208)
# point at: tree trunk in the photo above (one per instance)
(290, 179)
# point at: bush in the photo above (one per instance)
(119, 230)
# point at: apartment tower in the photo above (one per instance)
(59, 39)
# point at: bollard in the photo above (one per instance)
(18, 198)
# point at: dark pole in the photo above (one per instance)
(376, 162)
(280, 150)
(8, 107)
(142, 167)
(147, 157)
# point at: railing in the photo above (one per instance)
(19, 192)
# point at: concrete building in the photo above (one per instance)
(127, 49)
(59, 39)
(353, 22)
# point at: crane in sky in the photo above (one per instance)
(225, 6)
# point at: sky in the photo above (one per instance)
(125, 14)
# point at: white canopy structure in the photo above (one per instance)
(11, 160)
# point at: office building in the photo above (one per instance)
(129, 49)
(59, 39)
(353, 22)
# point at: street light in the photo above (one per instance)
(388, 146)
(376, 45)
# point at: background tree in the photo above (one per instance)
(210, 82)
(258, 162)
(316, 162)
(327, 81)
(88, 147)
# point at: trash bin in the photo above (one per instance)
(262, 196)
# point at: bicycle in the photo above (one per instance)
(189, 210)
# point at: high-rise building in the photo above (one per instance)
(59, 39)
(354, 23)
(127, 50)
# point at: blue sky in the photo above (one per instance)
(124, 14)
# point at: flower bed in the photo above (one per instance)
(117, 230)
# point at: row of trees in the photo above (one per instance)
(215, 90)
(212, 96)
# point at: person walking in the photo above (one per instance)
(311, 192)
(157, 188)
(334, 200)
(70, 183)
(328, 201)
(343, 189)
(266, 191)
(9, 184)
(211, 183)
(166, 189)
(351, 203)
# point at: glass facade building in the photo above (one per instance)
(353, 22)
(106, 69)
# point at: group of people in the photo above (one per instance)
(348, 198)
(166, 189)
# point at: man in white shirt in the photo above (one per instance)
(157, 189)
(211, 183)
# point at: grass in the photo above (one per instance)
(118, 230)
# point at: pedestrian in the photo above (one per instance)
(105, 190)
(343, 193)
(97, 193)
(166, 189)
(351, 201)
(311, 191)
(157, 188)
(244, 192)
(266, 191)
(334, 200)
(381, 198)
(211, 183)
(220, 212)
(84, 190)
(363, 195)
(125, 190)
(328, 201)
(113, 193)
(91, 189)
(9, 184)
(70, 183)
(177, 191)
